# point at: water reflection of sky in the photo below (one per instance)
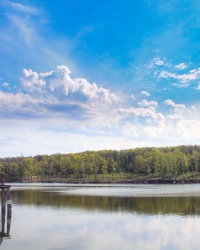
(131, 190)
(137, 191)
(34, 228)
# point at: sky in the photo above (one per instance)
(90, 75)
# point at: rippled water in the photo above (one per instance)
(58, 216)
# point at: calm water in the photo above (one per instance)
(103, 217)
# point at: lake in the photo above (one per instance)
(96, 217)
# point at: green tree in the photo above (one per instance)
(140, 165)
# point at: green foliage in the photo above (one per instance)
(166, 162)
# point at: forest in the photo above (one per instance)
(178, 163)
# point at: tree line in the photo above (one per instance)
(163, 162)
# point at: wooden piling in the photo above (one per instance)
(5, 200)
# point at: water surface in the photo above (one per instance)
(60, 216)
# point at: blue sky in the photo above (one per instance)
(88, 75)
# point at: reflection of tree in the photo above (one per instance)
(141, 205)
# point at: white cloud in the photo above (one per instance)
(61, 134)
(169, 102)
(158, 61)
(142, 112)
(181, 66)
(13, 103)
(171, 72)
(56, 93)
(24, 8)
(18, 7)
(181, 84)
(19, 98)
(31, 81)
(198, 87)
(145, 93)
(5, 84)
(174, 117)
(27, 33)
(183, 78)
(175, 127)
(61, 87)
(145, 103)
(132, 97)
(177, 107)
(192, 110)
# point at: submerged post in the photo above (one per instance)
(9, 202)
(5, 200)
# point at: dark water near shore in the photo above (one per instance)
(59, 216)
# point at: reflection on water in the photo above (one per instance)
(145, 205)
(87, 218)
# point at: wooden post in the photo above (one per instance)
(9, 214)
(3, 217)
(3, 201)
(9, 202)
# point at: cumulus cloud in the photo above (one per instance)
(175, 127)
(177, 107)
(61, 86)
(5, 84)
(145, 93)
(173, 104)
(31, 81)
(158, 61)
(174, 117)
(181, 66)
(142, 112)
(19, 106)
(192, 110)
(17, 99)
(198, 87)
(145, 103)
(56, 93)
(83, 107)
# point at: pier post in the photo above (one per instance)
(3, 200)
(9, 202)
(5, 203)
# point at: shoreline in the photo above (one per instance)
(125, 181)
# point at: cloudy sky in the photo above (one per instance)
(91, 74)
